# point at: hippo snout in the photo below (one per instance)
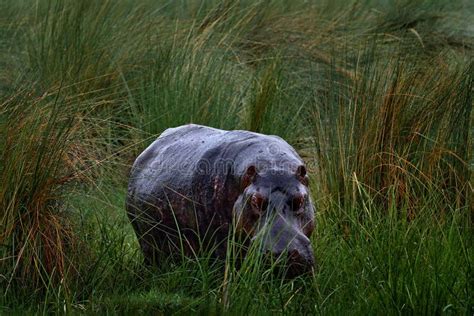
(299, 257)
(292, 263)
(293, 251)
(300, 262)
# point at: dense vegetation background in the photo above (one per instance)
(377, 97)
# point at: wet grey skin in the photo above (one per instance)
(194, 184)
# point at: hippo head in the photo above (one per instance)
(276, 206)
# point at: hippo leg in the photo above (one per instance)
(145, 231)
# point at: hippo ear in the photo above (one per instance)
(249, 176)
(301, 175)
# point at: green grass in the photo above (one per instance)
(376, 96)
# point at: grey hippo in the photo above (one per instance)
(195, 184)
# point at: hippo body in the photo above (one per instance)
(193, 182)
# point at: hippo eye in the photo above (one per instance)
(259, 203)
(297, 204)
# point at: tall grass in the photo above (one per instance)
(399, 128)
(35, 167)
(375, 95)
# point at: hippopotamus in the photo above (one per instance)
(194, 185)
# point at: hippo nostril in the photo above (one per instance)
(294, 255)
(290, 262)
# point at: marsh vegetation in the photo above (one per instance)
(376, 96)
